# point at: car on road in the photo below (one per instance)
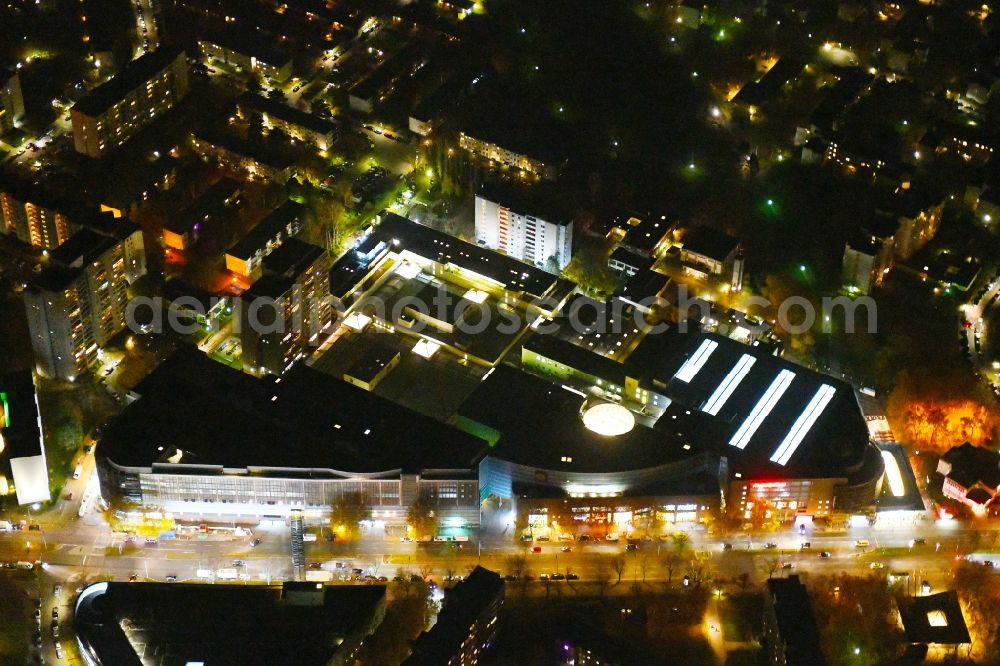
(727, 546)
(171, 578)
(510, 578)
(38, 614)
(770, 544)
(787, 565)
(543, 576)
(572, 576)
(315, 565)
(57, 589)
(631, 546)
(558, 576)
(38, 640)
(876, 565)
(825, 553)
(536, 549)
(132, 578)
(584, 537)
(255, 543)
(567, 549)
(239, 563)
(59, 651)
(55, 629)
(55, 612)
(806, 545)
(918, 542)
(861, 543)
(151, 541)
(357, 572)
(406, 539)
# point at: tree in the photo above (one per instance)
(602, 574)
(644, 561)
(421, 517)
(589, 269)
(450, 561)
(671, 562)
(346, 514)
(516, 564)
(856, 616)
(697, 574)
(937, 420)
(770, 565)
(618, 564)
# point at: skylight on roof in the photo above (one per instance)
(694, 364)
(357, 321)
(803, 424)
(426, 348)
(408, 270)
(763, 407)
(726, 387)
(476, 296)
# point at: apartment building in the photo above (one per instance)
(11, 100)
(284, 312)
(35, 216)
(79, 300)
(115, 111)
(524, 224)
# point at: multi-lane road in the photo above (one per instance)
(73, 550)
(76, 550)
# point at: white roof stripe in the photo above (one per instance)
(694, 364)
(763, 407)
(803, 424)
(728, 385)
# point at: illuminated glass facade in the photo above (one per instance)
(270, 492)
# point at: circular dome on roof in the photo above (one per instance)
(608, 419)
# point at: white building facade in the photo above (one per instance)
(523, 236)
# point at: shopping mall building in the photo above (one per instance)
(686, 424)
(203, 439)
